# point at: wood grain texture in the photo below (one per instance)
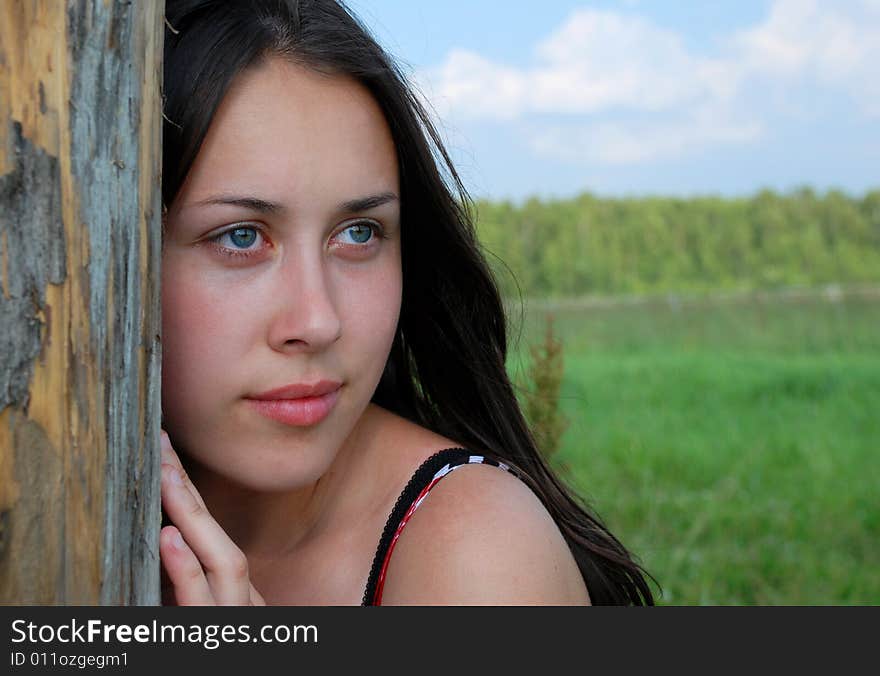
(80, 144)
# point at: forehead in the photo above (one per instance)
(286, 132)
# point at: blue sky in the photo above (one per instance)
(633, 97)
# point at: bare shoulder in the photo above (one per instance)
(482, 537)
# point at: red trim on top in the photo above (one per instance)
(377, 597)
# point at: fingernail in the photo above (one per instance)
(166, 442)
(177, 541)
(176, 479)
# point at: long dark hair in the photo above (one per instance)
(446, 370)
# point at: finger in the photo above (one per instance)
(169, 456)
(224, 564)
(256, 597)
(165, 585)
(189, 586)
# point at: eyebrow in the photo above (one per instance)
(266, 207)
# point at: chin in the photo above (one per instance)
(269, 468)
(275, 482)
(288, 471)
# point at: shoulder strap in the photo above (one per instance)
(423, 480)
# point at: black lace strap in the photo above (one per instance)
(420, 479)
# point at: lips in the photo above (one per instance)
(299, 404)
(298, 391)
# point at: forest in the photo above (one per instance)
(590, 245)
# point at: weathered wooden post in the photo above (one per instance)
(80, 158)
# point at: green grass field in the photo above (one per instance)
(733, 445)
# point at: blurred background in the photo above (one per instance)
(681, 203)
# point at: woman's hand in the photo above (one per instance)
(201, 565)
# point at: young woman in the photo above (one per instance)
(342, 428)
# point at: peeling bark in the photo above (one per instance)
(80, 144)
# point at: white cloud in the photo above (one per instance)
(617, 143)
(472, 85)
(596, 60)
(834, 46)
(602, 67)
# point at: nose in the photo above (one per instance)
(304, 316)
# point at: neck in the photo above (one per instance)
(273, 525)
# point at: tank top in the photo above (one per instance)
(423, 480)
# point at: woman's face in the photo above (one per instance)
(281, 266)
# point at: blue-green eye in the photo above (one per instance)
(242, 238)
(360, 233)
(241, 242)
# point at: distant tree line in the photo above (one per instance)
(592, 245)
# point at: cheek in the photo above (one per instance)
(375, 314)
(198, 336)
